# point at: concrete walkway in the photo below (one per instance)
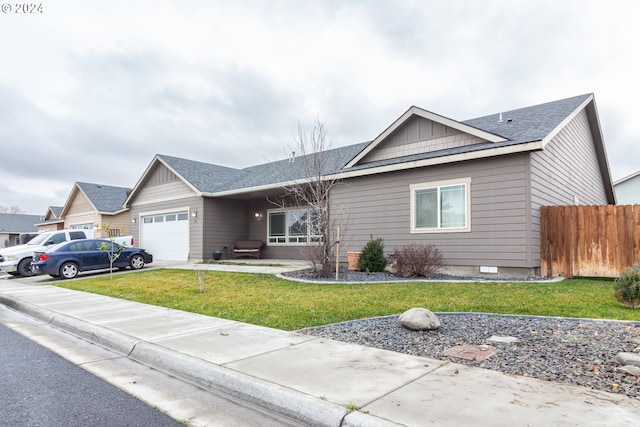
(314, 381)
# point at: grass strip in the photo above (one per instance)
(266, 300)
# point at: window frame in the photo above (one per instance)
(286, 239)
(438, 185)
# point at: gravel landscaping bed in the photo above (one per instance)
(359, 277)
(571, 351)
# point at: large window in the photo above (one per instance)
(292, 226)
(440, 206)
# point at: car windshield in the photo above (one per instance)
(39, 239)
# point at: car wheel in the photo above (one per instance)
(69, 270)
(24, 268)
(136, 262)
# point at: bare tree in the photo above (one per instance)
(312, 190)
(113, 249)
(11, 210)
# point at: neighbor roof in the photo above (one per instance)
(56, 211)
(105, 199)
(18, 223)
(626, 178)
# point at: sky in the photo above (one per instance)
(92, 91)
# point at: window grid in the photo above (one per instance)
(294, 226)
(440, 206)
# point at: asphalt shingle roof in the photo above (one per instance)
(57, 210)
(206, 177)
(529, 123)
(287, 170)
(518, 126)
(105, 198)
(19, 223)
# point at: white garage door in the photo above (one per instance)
(166, 236)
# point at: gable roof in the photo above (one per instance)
(201, 177)
(206, 179)
(520, 130)
(52, 216)
(18, 223)
(534, 125)
(55, 211)
(416, 111)
(105, 199)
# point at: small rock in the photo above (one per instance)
(419, 319)
(628, 359)
(629, 369)
(634, 341)
(503, 339)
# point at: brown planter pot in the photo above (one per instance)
(353, 258)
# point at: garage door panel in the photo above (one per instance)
(166, 240)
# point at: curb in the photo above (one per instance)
(274, 398)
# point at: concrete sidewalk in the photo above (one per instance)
(314, 381)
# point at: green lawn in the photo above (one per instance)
(266, 300)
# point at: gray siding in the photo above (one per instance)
(420, 135)
(225, 222)
(380, 206)
(258, 231)
(195, 223)
(628, 192)
(162, 191)
(566, 171)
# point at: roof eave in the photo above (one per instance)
(453, 158)
(626, 178)
(259, 188)
(157, 158)
(71, 196)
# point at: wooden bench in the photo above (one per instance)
(249, 248)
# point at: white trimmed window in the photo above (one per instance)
(442, 206)
(292, 226)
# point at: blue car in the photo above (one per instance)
(67, 259)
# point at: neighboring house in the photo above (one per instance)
(93, 205)
(12, 225)
(52, 220)
(628, 189)
(473, 188)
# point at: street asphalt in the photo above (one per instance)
(309, 380)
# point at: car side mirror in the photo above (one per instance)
(48, 242)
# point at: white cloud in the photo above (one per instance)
(110, 84)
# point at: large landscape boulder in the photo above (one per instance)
(419, 319)
(626, 359)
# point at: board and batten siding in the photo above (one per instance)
(379, 206)
(420, 135)
(566, 172)
(160, 186)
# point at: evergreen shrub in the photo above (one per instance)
(627, 287)
(372, 259)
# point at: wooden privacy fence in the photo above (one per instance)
(590, 241)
